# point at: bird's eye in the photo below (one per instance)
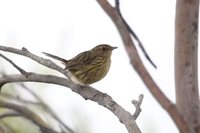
(104, 49)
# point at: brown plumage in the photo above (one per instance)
(90, 66)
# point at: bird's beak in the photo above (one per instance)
(114, 48)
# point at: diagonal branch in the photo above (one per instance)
(86, 92)
(141, 70)
(46, 62)
(117, 7)
(17, 67)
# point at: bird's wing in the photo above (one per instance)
(80, 60)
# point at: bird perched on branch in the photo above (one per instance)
(90, 66)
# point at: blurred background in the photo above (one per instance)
(66, 28)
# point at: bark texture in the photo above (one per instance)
(186, 62)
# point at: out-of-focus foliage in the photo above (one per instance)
(19, 125)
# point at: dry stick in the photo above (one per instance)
(47, 108)
(141, 70)
(86, 92)
(46, 62)
(137, 105)
(117, 6)
(11, 62)
(26, 74)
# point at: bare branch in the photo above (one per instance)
(140, 68)
(137, 105)
(45, 62)
(17, 67)
(117, 7)
(86, 92)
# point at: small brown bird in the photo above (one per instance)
(90, 66)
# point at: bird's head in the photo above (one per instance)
(103, 50)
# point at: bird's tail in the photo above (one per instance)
(56, 57)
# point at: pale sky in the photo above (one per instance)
(66, 28)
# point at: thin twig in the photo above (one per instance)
(117, 7)
(16, 66)
(46, 62)
(137, 105)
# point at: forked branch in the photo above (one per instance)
(86, 92)
(137, 64)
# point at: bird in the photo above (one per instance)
(89, 66)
